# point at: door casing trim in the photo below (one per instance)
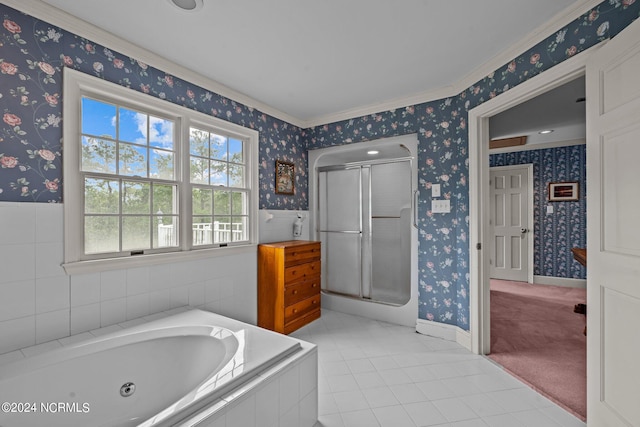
(479, 233)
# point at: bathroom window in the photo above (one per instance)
(146, 180)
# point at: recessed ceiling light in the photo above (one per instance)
(187, 5)
(544, 132)
(372, 152)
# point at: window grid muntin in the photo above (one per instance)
(210, 158)
(230, 215)
(153, 216)
(118, 141)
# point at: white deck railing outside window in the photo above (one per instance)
(203, 233)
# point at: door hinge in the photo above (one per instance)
(478, 246)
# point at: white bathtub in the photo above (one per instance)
(180, 366)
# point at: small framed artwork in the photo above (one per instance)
(563, 191)
(285, 177)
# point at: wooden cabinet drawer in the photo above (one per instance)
(301, 254)
(301, 272)
(301, 290)
(301, 308)
(301, 321)
(288, 284)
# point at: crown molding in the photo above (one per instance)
(57, 17)
(66, 21)
(560, 20)
(389, 105)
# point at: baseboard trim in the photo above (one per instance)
(444, 331)
(560, 281)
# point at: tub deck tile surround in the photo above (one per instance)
(376, 374)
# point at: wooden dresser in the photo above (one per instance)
(288, 284)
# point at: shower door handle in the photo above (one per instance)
(415, 208)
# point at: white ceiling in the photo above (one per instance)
(561, 110)
(314, 59)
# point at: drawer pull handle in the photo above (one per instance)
(295, 291)
(295, 310)
(315, 285)
(314, 302)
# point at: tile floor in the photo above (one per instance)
(374, 373)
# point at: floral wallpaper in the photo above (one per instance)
(33, 54)
(31, 61)
(555, 234)
(441, 126)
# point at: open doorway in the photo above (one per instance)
(551, 157)
(534, 281)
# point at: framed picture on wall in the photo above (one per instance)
(285, 177)
(564, 191)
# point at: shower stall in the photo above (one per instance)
(362, 211)
(365, 230)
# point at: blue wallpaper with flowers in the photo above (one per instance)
(34, 52)
(31, 60)
(441, 126)
(555, 234)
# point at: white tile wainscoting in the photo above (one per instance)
(40, 303)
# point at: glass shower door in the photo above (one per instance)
(391, 232)
(340, 226)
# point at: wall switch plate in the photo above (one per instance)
(549, 209)
(441, 206)
(435, 190)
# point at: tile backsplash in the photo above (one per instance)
(40, 303)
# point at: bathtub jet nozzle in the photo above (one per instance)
(127, 389)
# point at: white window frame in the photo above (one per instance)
(76, 85)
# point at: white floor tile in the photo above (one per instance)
(393, 416)
(360, 366)
(383, 363)
(407, 393)
(332, 420)
(504, 420)
(455, 409)
(364, 418)
(461, 386)
(395, 376)
(340, 383)
(483, 405)
(435, 390)
(469, 423)
(425, 414)
(380, 396)
(348, 401)
(419, 374)
(535, 418)
(369, 380)
(327, 404)
(372, 373)
(334, 368)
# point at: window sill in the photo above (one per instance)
(98, 265)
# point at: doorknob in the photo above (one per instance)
(523, 230)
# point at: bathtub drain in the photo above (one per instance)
(127, 389)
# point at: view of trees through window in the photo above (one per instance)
(219, 203)
(131, 182)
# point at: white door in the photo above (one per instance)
(613, 235)
(510, 195)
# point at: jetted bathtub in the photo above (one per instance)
(155, 374)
